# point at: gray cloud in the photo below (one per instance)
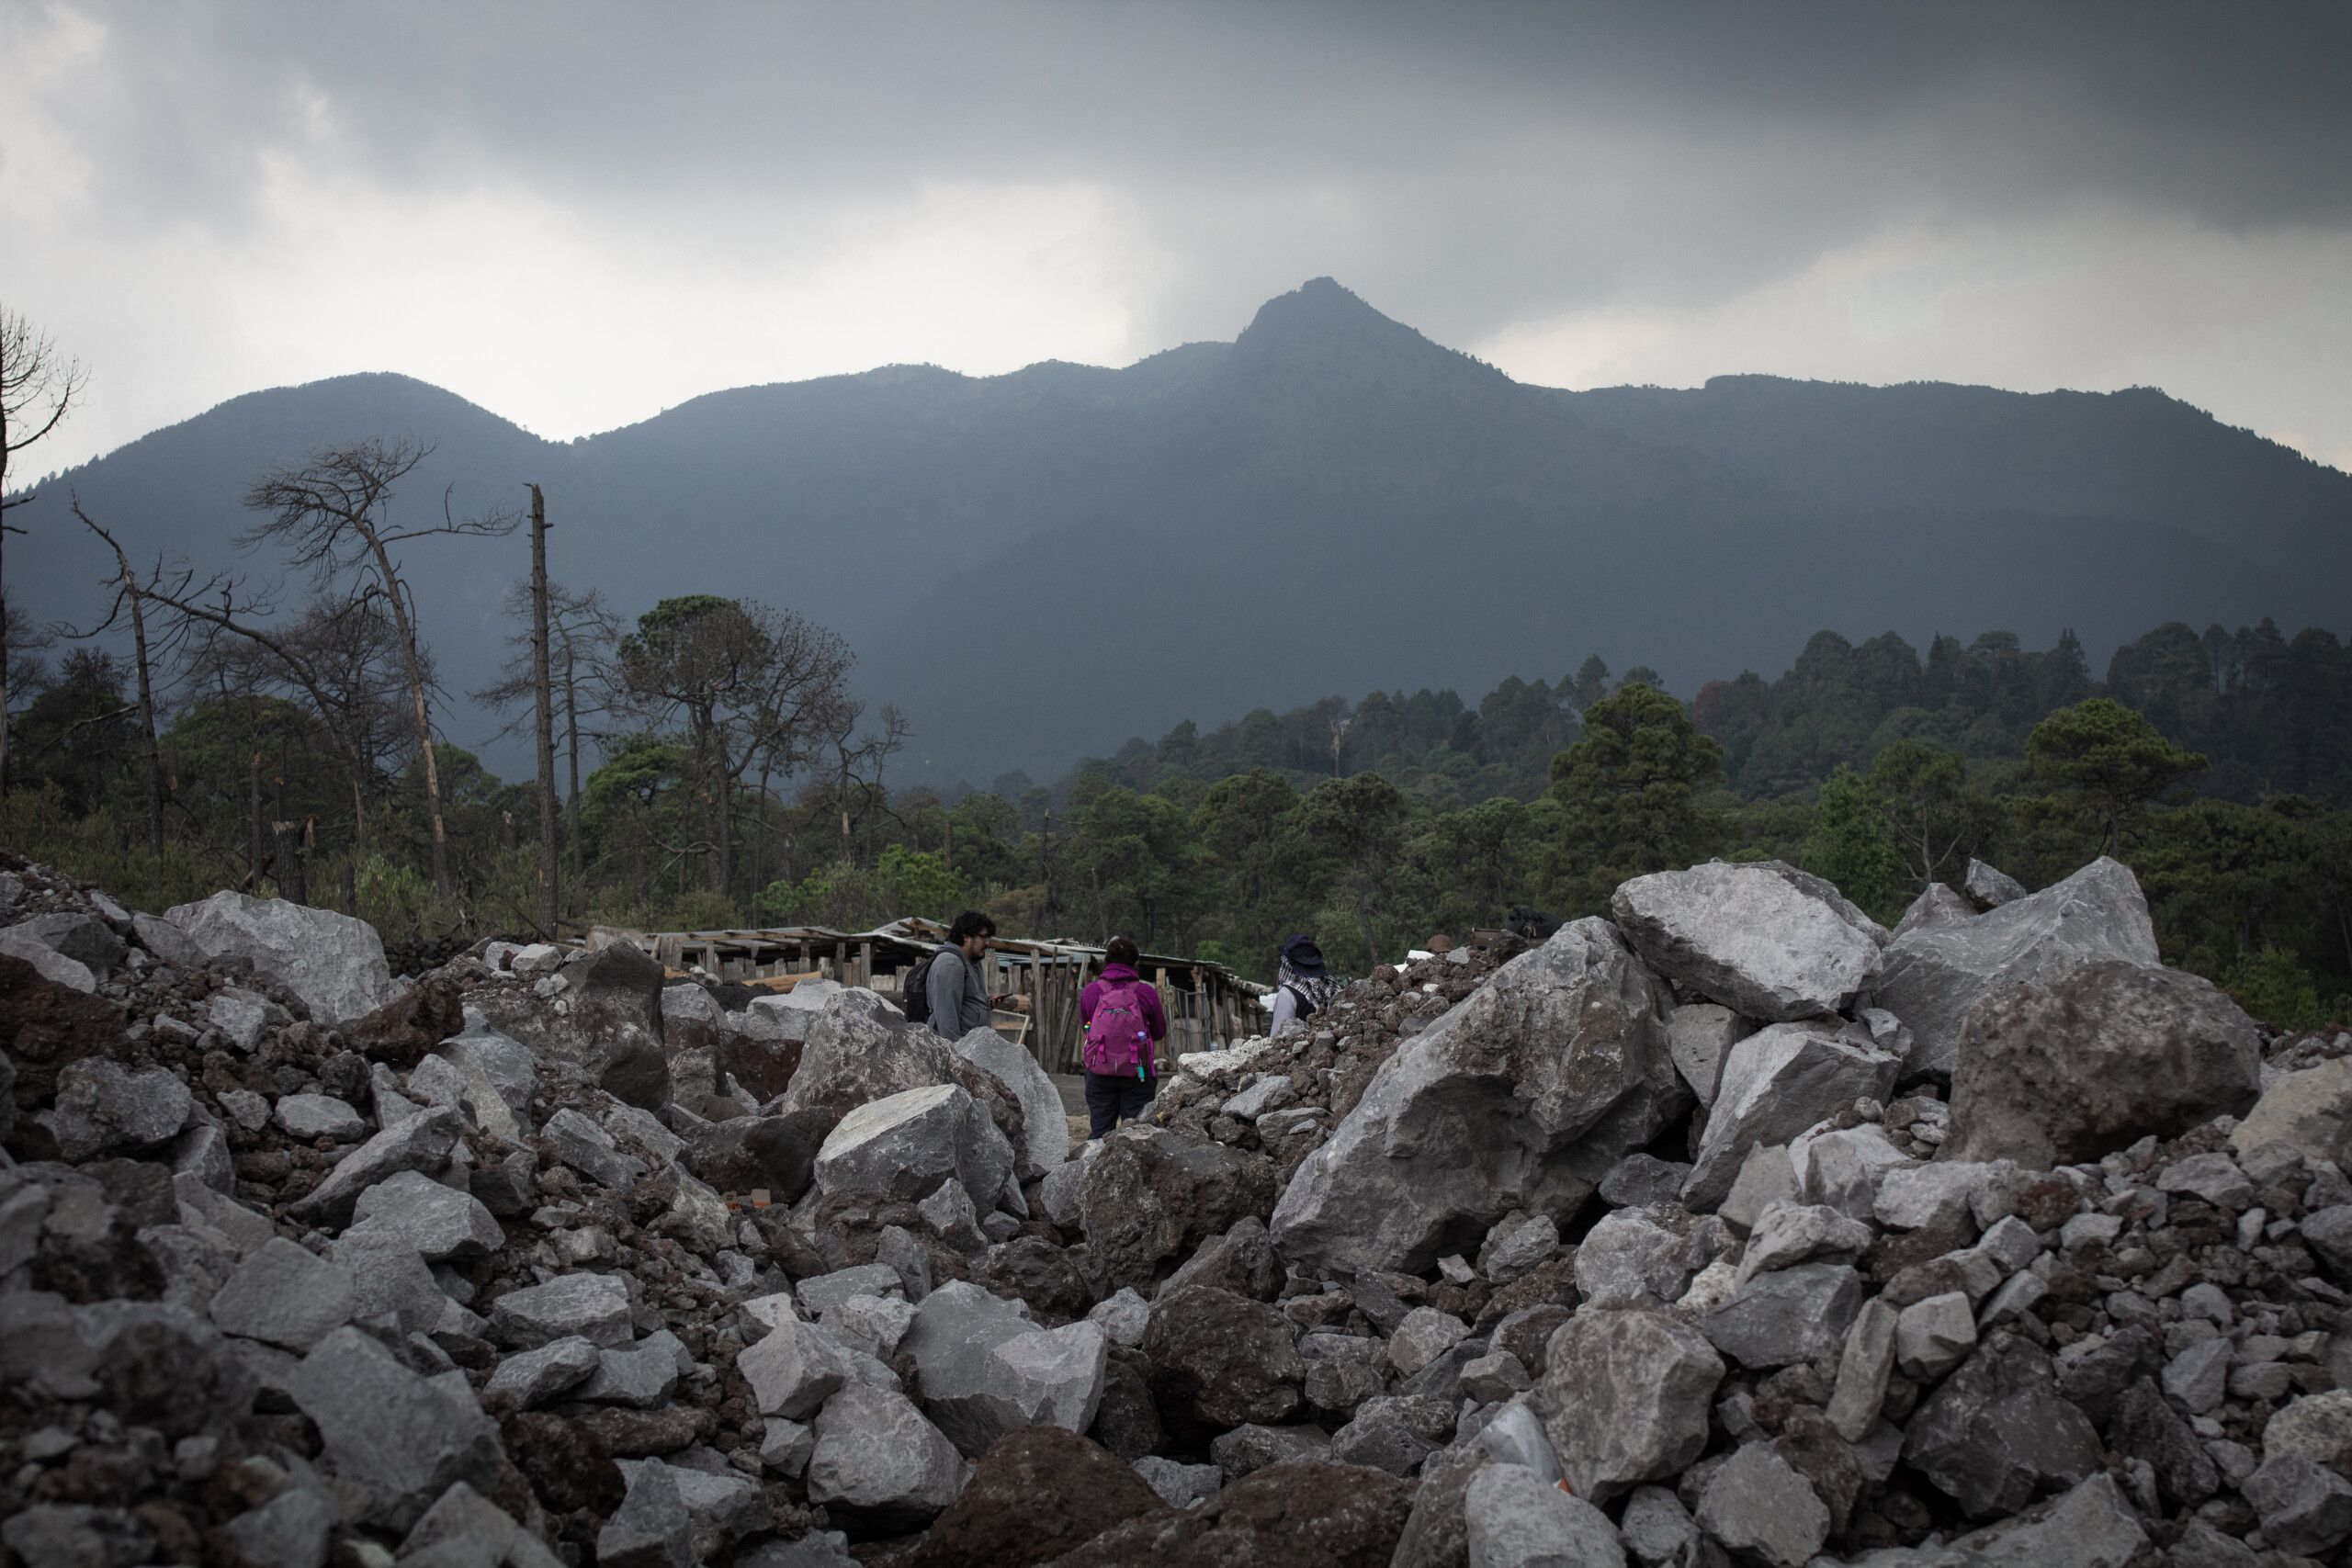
(1469, 168)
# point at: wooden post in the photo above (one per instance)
(543, 697)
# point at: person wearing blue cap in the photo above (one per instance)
(1302, 986)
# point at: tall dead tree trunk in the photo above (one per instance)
(406, 626)
(572, 746)
(543, 696)
(135, 599)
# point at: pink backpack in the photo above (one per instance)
(1118, 1037)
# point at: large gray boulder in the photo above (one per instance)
(15, 942)
(287, 1531)
(1700, 1036)
(1624, 1399)
(385, 1426)
(283, 1295)
(1761, 1507)
(498, 1079)
(1933, 975)
(86, 938)
(879, 1462)
(2309, 1111)
(503, 1059)
(605, 1022)
(438, 1223)
(1777, 1083)
(593, 1306)
(1786, 1315)
(1989, 887)
(1044, 1126)
(759, 1046)
(1764, 939)
(166, 941)
(2095, 1526)
(335, 963)
(420, 1143)
(907, 1144)
(102, 1109)
(860, 1049)
(1939, 906)
(2074, 1069)
(536, 1377)
(1514, 1518)
(986, 1368)
(794, 1369)
(651, 1528)
(1521, 1096)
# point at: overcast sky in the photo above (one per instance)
(576, 214)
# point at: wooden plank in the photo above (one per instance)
(780, 984)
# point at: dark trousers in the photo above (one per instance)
(1113, 1098)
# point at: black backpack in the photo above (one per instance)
(1312, 995)
(914, 990)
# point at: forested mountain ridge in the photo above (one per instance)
(1330, 502)
(1935, 446)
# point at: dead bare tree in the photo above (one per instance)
(332, 515)
(37, 389)
(854, 752)
(543, 712)
(131, 596)
(582, 630)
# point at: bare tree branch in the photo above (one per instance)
(332, 515)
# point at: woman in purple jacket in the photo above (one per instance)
(1121, 1068)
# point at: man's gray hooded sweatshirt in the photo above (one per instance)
(959, 1003)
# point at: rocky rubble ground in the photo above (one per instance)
(1730, 1229)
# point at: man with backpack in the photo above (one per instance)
(1125, 1024)
(955, 1002)
(1303, 987)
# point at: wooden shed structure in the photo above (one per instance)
(1207, 1004)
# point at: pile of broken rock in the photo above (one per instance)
(1734, 1228)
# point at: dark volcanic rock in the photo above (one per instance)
(568, 1461)
(1040, 1273)
(410, 1025)
(1304, 1514)
(2075, 1067)
(1220, 1360)
(777, 1153)
(1126, 1422)
(1997, 1433)
(45, 1026)
(1037, 1493)
(2145, 1428)
(1155, 1195)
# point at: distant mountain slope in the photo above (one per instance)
(1040, 564)
(1933, 446)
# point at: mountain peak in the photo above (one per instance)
(1320, 307)
(1326, 329)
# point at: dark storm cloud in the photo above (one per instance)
(1486, 163)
